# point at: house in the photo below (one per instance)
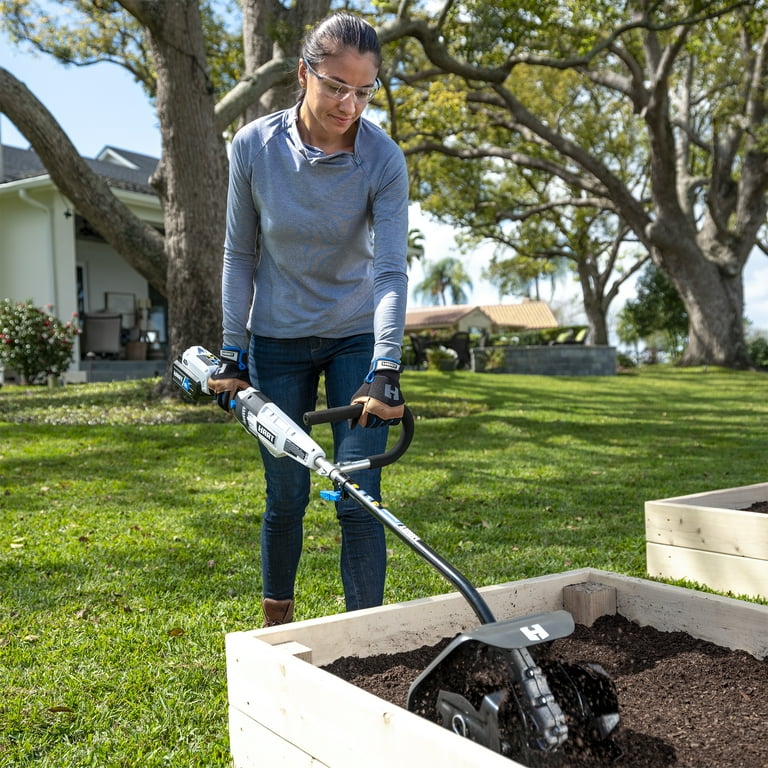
(488, 318)
(50, 254)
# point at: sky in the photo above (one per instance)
(101, 105)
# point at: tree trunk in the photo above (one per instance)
(598, 325)
(261, 22)
(271, 31)
(597, 295)
(714, 301)
(191, 179)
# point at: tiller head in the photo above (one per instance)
(486, 686)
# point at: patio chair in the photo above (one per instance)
(459, 343)
(581, 336)
(419, 350)
(566, 337)
(101, 334)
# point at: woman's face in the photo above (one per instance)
(336, 93)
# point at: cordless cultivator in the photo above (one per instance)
(485, 685)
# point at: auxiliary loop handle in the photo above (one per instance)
(345, 412)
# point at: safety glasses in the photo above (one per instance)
(339, 91)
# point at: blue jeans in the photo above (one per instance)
(288, 372)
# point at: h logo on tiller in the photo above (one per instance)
(535, 632)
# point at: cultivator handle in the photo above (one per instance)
(344, 412)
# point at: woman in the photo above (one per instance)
(315, 274)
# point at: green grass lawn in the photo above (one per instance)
(129, 531)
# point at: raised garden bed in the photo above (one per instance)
(285, 710)
(682, 700)
(719, 539)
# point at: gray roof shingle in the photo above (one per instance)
(127, 170)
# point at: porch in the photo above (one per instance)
(116, 370)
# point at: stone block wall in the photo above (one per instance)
(555, 360)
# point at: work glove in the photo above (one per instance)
(383, 402)
(230, 377)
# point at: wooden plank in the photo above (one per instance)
(375, 630)
(588, 601)
(333, 721)
(520, 598)
(253, 746)
(728, 531)
(407, 626)
(296, 649)
(724, 498)
(724, 573)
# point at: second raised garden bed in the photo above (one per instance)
(718, 538)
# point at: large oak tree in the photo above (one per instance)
(692, 78)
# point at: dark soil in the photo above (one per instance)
(682, 701)
(758, 506)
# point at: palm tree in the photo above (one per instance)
(441, 277)
(415, 246)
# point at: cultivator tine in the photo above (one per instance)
(589, 699)
(546, 725)
(486, 686)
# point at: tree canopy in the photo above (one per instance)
(652, 114)
(443, 278)
(559, 130)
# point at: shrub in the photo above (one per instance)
(758, 351)
(33, 341)
(625, 361)
(442, 359)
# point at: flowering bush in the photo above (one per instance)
(442, 358)
(33, 341)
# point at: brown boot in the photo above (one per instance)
(277, 611)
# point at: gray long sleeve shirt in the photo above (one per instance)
(316, 244)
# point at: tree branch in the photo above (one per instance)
(250, 89)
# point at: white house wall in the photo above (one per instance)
(37, 259)
(40, 254)
(105, 271)
(476, 319)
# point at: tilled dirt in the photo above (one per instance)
(682, 701)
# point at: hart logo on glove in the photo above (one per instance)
(380, 395)
(393, 393)
(384, 364)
